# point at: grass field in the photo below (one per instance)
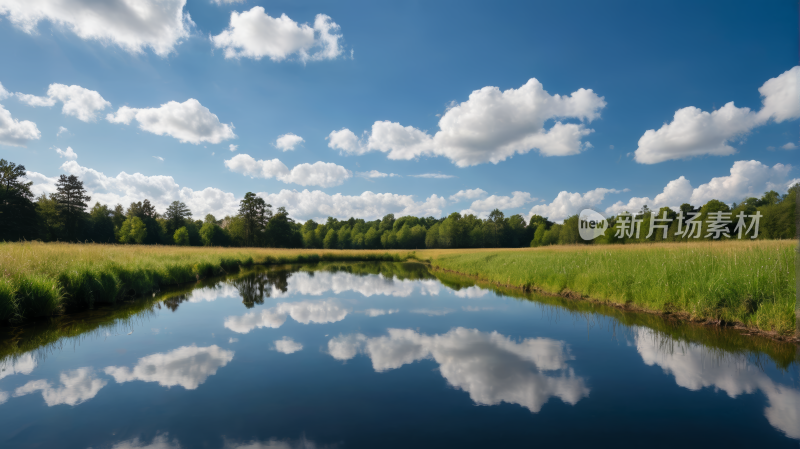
(752, 283)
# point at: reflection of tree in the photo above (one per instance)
(257, 286)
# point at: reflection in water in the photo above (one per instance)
(695, 368)
(489, 366)
(432, 312)
(321, 282)
(287, 346)
(22, 365)
(162, 442)
(319, 311)
(159, 442)
(260, 285)
(208, 294)
(378, 312)
(471, 292)
(187, 366)
(77, 386)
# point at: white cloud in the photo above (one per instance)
(304, 312)
(469, 194)
(789, 146)
(126, 188)
(694, 132)
(210, 294)
(233, 340)
(490, 367)
(79, 102)
(189, 121)
(187, 366)
(322, 282)
(61, 130)
(4, 93)
(254, 34)
(288, 142)
(567, 204)
(287, 346)
(482, 207)
(746, 179)
(134, 26)
(14, 132)
(228, 2)
(77, 386)
(3, 396)
(491, 126)
(323, 174)
(780, 96)
(159, 442)
(232, 147)
(35, 101)
(374, 174)
(69, 154)
(473, 292)
(159, 158)
(432, 312)
(433, 176)
(24, 364)
(378, 312)
(735, 376)
(369, 206)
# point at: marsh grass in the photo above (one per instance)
(751, 283)
(45, 279)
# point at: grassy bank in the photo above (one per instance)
(45, 279)
(752, 283)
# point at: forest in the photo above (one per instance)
(66, 216)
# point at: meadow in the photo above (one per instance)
(734, 282)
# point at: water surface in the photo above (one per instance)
(386, 355)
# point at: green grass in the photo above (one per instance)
(47, 279)
(750, 283)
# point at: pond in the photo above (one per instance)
(365, 355)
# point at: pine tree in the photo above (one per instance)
(17, 211)
(71, 197)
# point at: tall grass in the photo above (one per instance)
(751, 283)
(45, 279)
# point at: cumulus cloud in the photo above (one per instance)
(187, 366)
(288, 142)
(490, 367)
(374, 174)
(473, 292)
(24, 364)
(127, 188)
(694, 132)
(789, 146)
(16, 133)
(735, 376)
(79, 102)
(323, 282)
(469, 194)
(254, 34)
(61, 130)
(746, 179)
(304, 312)
(433, 176)
(491, 126)
(209, 294)
(370, 206)
(77, 386)
(232, 147)
(567, 204)
(322, 174)
(3, 92)
(189, 121)
(287, 346)
(133, 26)
(481, 208)
(159, 442)
(69, 154)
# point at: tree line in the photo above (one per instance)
(65, 216)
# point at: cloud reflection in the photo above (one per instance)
(287, 346)
(208, 294)
(471, 292)
(321, 282)
(77, 386)
(159, 442)
(305, 312)
(489, 366)
(378, 312)
(187, 366)
(694, 368)
(24, 364)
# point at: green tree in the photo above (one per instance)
(176, 215)
(102, 224)
(71, 197)
(18, 216)
(330, 240)
(255, 213)
(432, 237)
(181, 237)
(211, 234)
(281, 230)
(133, 230)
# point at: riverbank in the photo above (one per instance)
(750, 284)
(46, 279)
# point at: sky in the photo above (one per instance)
(364, 108)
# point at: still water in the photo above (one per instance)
(371, 355)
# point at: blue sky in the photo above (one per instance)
(405, 65)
